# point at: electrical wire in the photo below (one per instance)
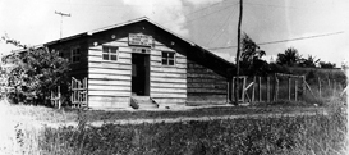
(281, 41)
(222, 26)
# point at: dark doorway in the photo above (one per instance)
(141, 74)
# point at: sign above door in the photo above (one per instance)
(138, 39)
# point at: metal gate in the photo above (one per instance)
(79, 93)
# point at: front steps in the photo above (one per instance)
(143, 102)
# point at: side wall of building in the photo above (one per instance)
(79, 68)
(205, 86)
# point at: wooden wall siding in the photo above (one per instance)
(204, 84)
(78, 70)
(168, 83)
(109, 84)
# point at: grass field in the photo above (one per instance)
(319, 134)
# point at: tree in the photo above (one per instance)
(251, 62)
(311, 62)
(289, 57)
(42, 71)
(251, 51)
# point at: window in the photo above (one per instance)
(167, 58)
(110, 53)
(76, 53)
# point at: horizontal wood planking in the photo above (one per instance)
(120, 61)
(107, 65)
(109, 93)
(168, 85)
(162, 48)
(179, 90)
(157, 63)
(108, 105)
(169, 70)
(117, 43)
(120, 56)
(157, 94)
(156, 58)
(99, 57)
(155, 79)
(157, 53)
(207, 90)
(102, 82)
(109, 88)
(108, 98)
(109, 71)
(96, 50)
(168, 75)
(110, 76)
(169, 101)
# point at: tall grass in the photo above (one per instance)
(298, 135)
(301, 135)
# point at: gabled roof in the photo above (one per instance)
(206, 53)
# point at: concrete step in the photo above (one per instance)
(141, 98)
(144, 102)
(147, 106)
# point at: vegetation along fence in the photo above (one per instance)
(284, 87)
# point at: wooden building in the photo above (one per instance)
(140, 58)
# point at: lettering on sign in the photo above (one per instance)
(140, 40)
(141, 50)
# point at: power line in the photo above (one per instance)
(227, 7)
(222, 26)
(207, 14)
(206, 8)
(281, 41)
(277, 6)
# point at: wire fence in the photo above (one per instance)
(285, 87)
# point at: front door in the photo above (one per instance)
(141, 74)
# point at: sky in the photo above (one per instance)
(208, 23)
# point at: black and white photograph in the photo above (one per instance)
(174, 77)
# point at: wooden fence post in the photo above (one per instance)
(296, 89)
(277, 89)
(243, 89)
(228, 91)
(319, 80)
(289, 88)
(254, 81)
(329, 85)
(260, 89)
(334, 87)
(268, 89)
(304, 86)
(233, 90)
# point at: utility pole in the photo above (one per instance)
(238, 57)
(62, 15)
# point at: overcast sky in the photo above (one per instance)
(208, 23)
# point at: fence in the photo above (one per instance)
(78, 96)
(283, 87)
(79, 93)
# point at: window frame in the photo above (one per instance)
(109, 53)
(75, 54)
(167, 59)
